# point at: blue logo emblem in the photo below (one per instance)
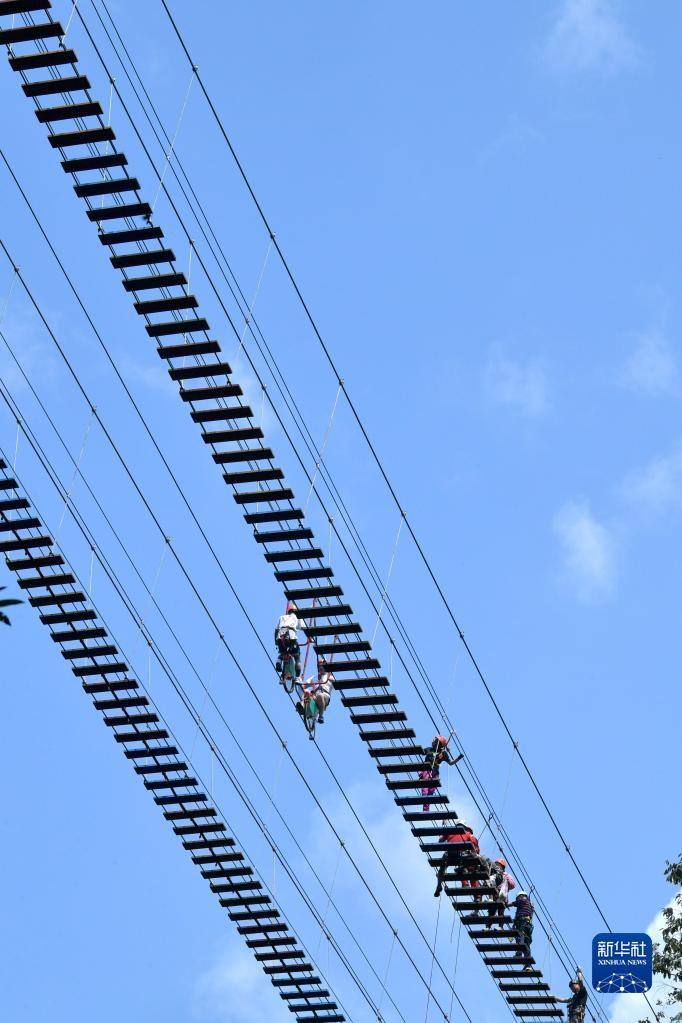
(621, 963)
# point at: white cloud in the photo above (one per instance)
(626, 1008)
(235, 990)
(657, 488)
(588, 549)
(523, 387)
(652, 367)
(588, 36)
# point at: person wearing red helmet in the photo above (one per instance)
(286, 637)
(461, 850)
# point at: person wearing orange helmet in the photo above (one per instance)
(286, 637)
(503, 883)
(430, 772)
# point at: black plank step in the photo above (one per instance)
(379, 735)
(14, 504)
(111, 685)
(531, 999)
(198, 829)
(159, 751)
(23, 6)
(369, 700)
(243, 455)
(68, 111)
(292, 953)
(56, 579)
(192, 326)
(237, 434)
(212, 415)
(73, 653)
(120, 212)
(263, 496)
(194, 372)
(263, 929)
(131, 720)
(324, 610)
(85, 614)
(192, 814)
(208, 843)
(304, 554)
(348, 647)
(258, 914)
(55, 86)
(27, 33)
(379, 717)
(166, 305)
(130, 234)
(299, 982)
(404, 783)
(186, 781)
(170, 280)
(49, 58)
(521, 974)
(238, 900)
(164, 769)
(373, 682)
(292, 575)
(86, 670)
(191, 348)
(400, 768)
(395, 751)
(208, 393)
(148, 258)
(146, 736)
(9, 484)
(82, 137)
(532, 985)
(41, 561)
(282, 535)
(217, 857)
(110, 186)
(28, 543)
(67, 635)
(14, 525)
(186, 797)
(318, 592)
(431, 815)
(50, 599)
(101, 161)
(271, 943)
(227, 872)
(332, 630)
(274, 515)
(539, 1012)
(358, 664)
(120, 703)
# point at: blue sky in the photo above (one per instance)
(481, 208)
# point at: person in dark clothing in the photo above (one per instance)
(502, 882)
(578, 1001)
(523, 925)
(436, 754)
(461, 851)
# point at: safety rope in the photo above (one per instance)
(249, 311)
(169, 154)
(323, 930)
(454, 973)
(388, 967)
(16, 446)
(76, 471)
(388, 577)
(209, 680)
(68, 23)
(320, 456)
(433, 958)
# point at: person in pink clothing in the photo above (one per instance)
(503, 884)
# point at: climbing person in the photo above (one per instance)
(503, 883)
(578, 1001)
(320, 687)
(462, 851)
(286, 638)
(523, 925)
(430, 772)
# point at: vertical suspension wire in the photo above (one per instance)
(92, 569)
(150, 597)
(383, 986)
(251, 307)
(329, 548)
(388, 576)
(454, 972)
(320, 457)
(10, 289)
(16, 446)
(323, 930)
(68, 23)
(170, 152)
(433, 959)
(189, 263)
(507, 783)
(76, 470)
(207, 689)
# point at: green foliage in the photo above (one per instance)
(6, 603)
(668, 952)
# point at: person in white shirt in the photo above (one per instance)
(286, 637)
(321, 687)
